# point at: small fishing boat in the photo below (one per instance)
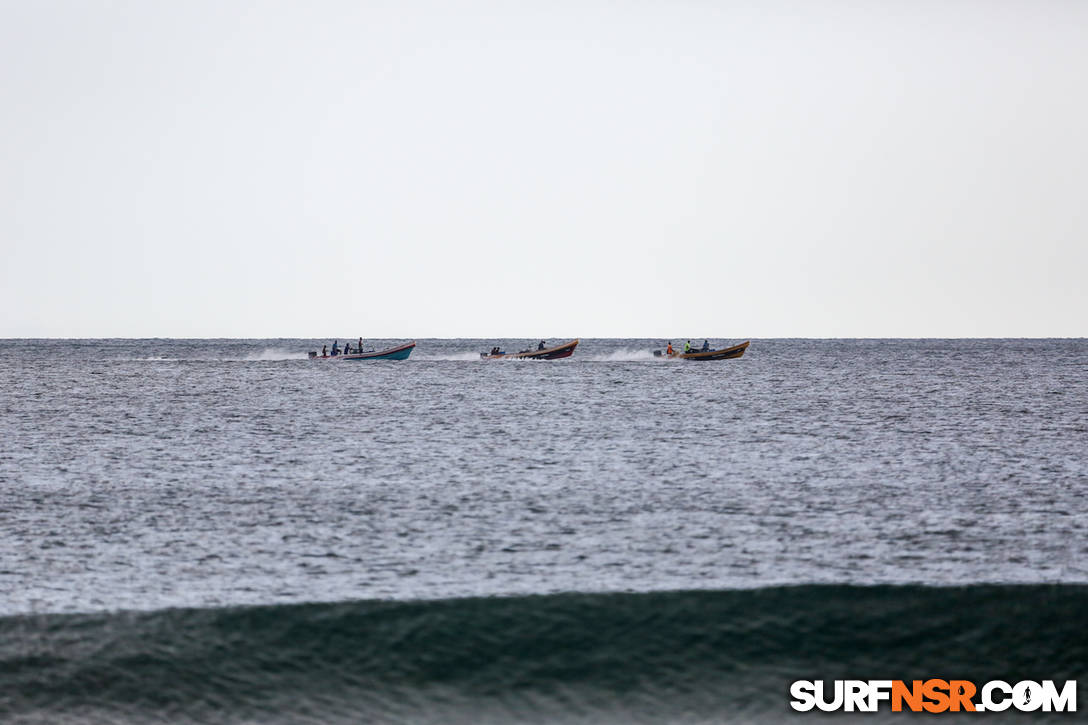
(725, 354)
(400, 352)
(549, 353)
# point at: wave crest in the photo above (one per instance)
(675, 656)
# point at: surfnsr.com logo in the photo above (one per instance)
(933, 696)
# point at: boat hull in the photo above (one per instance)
(552, 353)
(400, 352)
(728, 353)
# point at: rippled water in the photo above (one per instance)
(146, 474)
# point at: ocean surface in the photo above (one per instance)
(223, 531)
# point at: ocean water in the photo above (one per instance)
(226, 531)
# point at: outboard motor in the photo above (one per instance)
(313, 354)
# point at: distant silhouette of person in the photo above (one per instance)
(324, 351)
(360, 345)
(706, 345)
(669, 350)
(540, 346)
(335, 349)
(687, 347)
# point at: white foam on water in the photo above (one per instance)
(624, 355)
(274, 354)
(457, 356)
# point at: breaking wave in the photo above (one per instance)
(685, 657)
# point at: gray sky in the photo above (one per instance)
(589, 168)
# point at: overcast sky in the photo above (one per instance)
(588, 168)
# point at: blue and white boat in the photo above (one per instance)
(400, 352)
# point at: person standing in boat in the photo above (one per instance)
(540, 346)
(669, 350)
(360, 348)
(324, 351)
(706, 345)
(687, 347)
(335, 349)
